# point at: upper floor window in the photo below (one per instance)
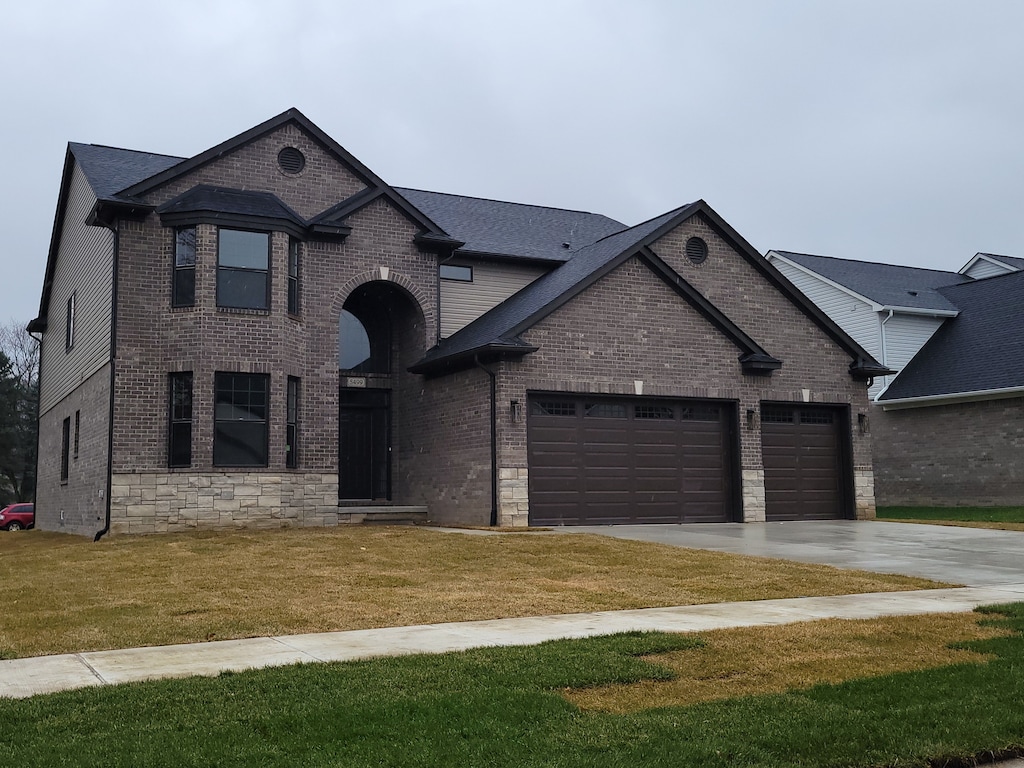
(294, 254)
(69, 323)
(183, 287)
(243, 269)
(457, 272)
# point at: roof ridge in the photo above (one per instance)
(669, 213)
(125, 149)
(862, 261)
(503, 202)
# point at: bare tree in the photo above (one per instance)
(19, 410)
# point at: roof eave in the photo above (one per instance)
(951, 398)
(466, 358)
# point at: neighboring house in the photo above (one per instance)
(950, 427)
(269, 334)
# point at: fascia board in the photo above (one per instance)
(951, 398)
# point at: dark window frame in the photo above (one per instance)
(293, 395)
(65, 449)
(69, 322)
(179, 419)
(183, 277)
(456, 273)
(221, 270)
(78, 427)
(294, 276)
(222, 427)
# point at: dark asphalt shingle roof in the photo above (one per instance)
(230, 201)
(886, 284)
(109, 169)
(511, 229)
(980, 349)
(500, 324)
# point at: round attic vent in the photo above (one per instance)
(291, 160)
(696, 250)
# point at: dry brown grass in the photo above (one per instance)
(65, 594)
(757, 660)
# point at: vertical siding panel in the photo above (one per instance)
(462, 303)
(84, 266)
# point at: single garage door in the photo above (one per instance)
(804, 477)
(599, 460)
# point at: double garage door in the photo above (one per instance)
(597, 461)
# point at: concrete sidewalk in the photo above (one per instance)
(45, 674)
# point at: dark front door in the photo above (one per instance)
(364, 445)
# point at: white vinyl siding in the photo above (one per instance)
(493, 282)
(983, 268)
(904, 337)
(84, 267)
(853, 315)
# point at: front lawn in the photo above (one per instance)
(65, 593)
(511, 707)
(1001, 518)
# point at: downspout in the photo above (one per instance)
(115, 228)
(39, 398)
(885, 353)
(494, 438)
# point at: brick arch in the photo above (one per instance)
(408, 287)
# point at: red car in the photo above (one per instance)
(15, 517)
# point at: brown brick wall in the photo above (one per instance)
(967, 454)
(79, 505)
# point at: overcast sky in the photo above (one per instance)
(885, 131)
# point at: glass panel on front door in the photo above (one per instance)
(364, 445)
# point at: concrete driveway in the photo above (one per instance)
(967, 556)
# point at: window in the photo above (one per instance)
(292, 430)
(78, 425)
(243, 269)
(179, 433)
(183, 288)
(456, 272)
(65, 441)
(240, 420)
(69, 324)
(554, 408)
(365, 347)
(294, 249)
(604, 410)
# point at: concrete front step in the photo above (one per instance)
(383, 514)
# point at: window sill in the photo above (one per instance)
(243, 311)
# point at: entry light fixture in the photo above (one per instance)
(751, 416)
(515, 410)
(862, 423)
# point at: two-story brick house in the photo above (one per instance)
(268, 334)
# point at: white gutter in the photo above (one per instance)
(1002, 393)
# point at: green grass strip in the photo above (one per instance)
(500, 707)
(961, 514)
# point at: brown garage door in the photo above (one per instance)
(600, 461)
(803, 462)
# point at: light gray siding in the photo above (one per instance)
(853, 315)
(84, 267)
(904, 335)
(493, 282)
(983, 268)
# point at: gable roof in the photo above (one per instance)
(499, 329)
(888, 285)
(1012, 263)
(979, 351)
(496, 228)
(109, 169)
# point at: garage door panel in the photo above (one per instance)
(629, 461)
(802, 455)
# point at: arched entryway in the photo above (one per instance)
(380, 334)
